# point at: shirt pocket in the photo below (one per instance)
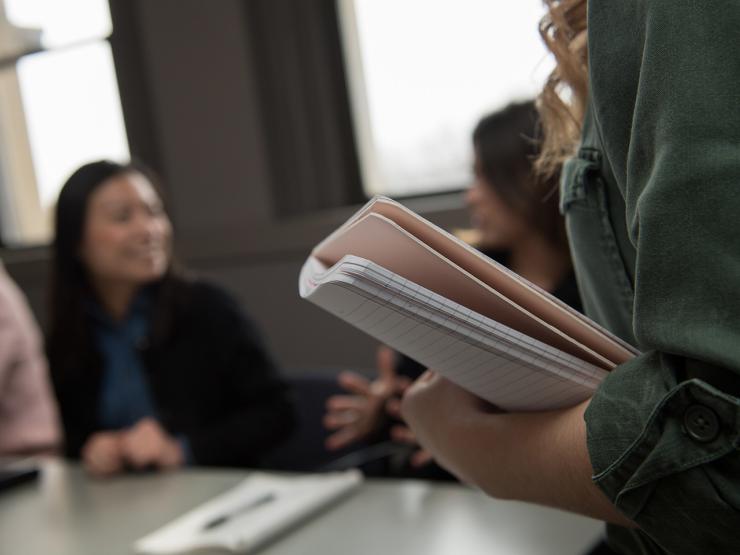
(606, 288)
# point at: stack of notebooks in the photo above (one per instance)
(415, 287)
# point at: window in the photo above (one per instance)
(422, 72)
(60, 106)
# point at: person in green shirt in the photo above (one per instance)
(650, 128)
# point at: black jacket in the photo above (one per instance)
(211, 380)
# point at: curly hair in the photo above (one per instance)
(562, 102)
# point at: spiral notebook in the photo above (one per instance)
(420, 290)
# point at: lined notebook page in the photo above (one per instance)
(501, 365)
(350, 239)
(384, 242)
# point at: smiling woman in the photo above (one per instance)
(151, 369)
(127, 240)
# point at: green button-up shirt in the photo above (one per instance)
(652, 205)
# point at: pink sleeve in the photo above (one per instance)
(28, 414)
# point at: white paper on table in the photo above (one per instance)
(295, 499)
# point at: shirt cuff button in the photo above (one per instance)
(701, 423)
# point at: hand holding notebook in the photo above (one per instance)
(423, 292)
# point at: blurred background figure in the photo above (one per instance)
(515, 215)
(516, 222)
(152, 369)
(28, 414)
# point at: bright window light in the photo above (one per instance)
(62, 22)
(73, 112)
(422, 72)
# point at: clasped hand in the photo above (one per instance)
(144, 445)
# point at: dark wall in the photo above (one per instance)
(194, 110)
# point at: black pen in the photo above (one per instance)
(258, 502)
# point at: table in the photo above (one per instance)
(67, 513)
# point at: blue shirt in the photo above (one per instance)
(125, 396)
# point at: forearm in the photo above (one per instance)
(534, 457)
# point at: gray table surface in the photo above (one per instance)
(67, 513)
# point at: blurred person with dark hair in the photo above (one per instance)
(152, 369)
(517, 223)
(513, 210)
(28, 414)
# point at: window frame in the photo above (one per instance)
(22, 206)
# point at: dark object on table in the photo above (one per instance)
(13, 474)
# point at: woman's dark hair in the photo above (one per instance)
(507, 145)
(69, 340)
